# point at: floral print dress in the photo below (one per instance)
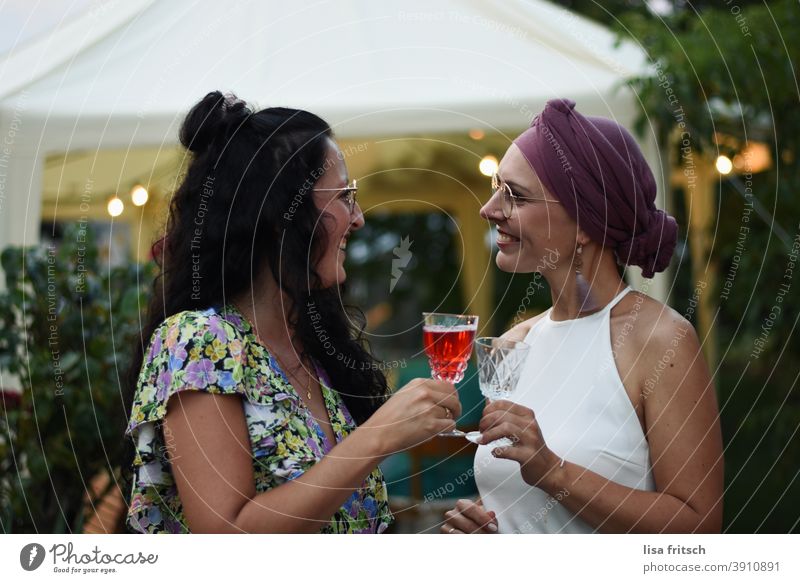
(216, 351)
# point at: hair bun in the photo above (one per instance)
(210, 119)
(652, 249)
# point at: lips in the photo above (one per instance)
(343, 242)
(504, 238)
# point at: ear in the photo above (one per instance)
(582, 238)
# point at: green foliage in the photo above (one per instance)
(730, 69)
(66, 330)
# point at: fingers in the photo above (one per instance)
(445, 395)
(508, 407)
(469, 518)
(444, 426)
(453, 406)
(504, 429)
(437, 397)
(457, 523)
(477, 514)
(509, 453)
(489, 420)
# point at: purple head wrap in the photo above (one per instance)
(597, 171)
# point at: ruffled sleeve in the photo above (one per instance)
(190, 351)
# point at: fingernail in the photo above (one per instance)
(492, 527)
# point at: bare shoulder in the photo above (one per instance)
(518, 332)
(649, 321)
(646, 332)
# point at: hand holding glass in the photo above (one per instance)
(500, 363)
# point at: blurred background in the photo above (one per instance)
(425, 100)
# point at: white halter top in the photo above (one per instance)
(571, 383)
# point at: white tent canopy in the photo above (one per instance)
(124, 74)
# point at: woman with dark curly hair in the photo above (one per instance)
(255, 405)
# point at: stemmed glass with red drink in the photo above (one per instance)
(448, 343)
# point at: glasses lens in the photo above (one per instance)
(353, 195)
(508, 202)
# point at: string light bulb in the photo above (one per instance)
(724, 165)
(488, 165)
(115, 206)
(139, 195)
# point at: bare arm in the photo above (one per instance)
(685, 447)
(209, 449)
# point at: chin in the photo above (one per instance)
(503, 263)
(512, 263)
(333, 277)
(508, 263)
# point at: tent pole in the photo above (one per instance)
(20, 199)
(20, 208)
(477, 275)
(701, 211)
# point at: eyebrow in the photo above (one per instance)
(516, 186)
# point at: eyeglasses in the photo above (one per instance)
(509, 199)
(350, 191)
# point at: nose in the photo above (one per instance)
(358, 218)
(492, 210)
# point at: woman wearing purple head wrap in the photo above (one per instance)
(614, 422)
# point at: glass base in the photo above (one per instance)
(454, 433)
(475, 436)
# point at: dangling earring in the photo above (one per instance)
(585, 301)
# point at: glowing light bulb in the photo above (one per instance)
(115, 206)
(139, 195)
(724, 165)
(488, 165)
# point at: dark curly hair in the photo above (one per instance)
(246, 171)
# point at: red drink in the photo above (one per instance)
(448, 343)
(448, 349)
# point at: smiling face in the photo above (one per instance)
(539, 234)
(337, 222)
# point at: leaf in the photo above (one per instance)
(64, 335)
